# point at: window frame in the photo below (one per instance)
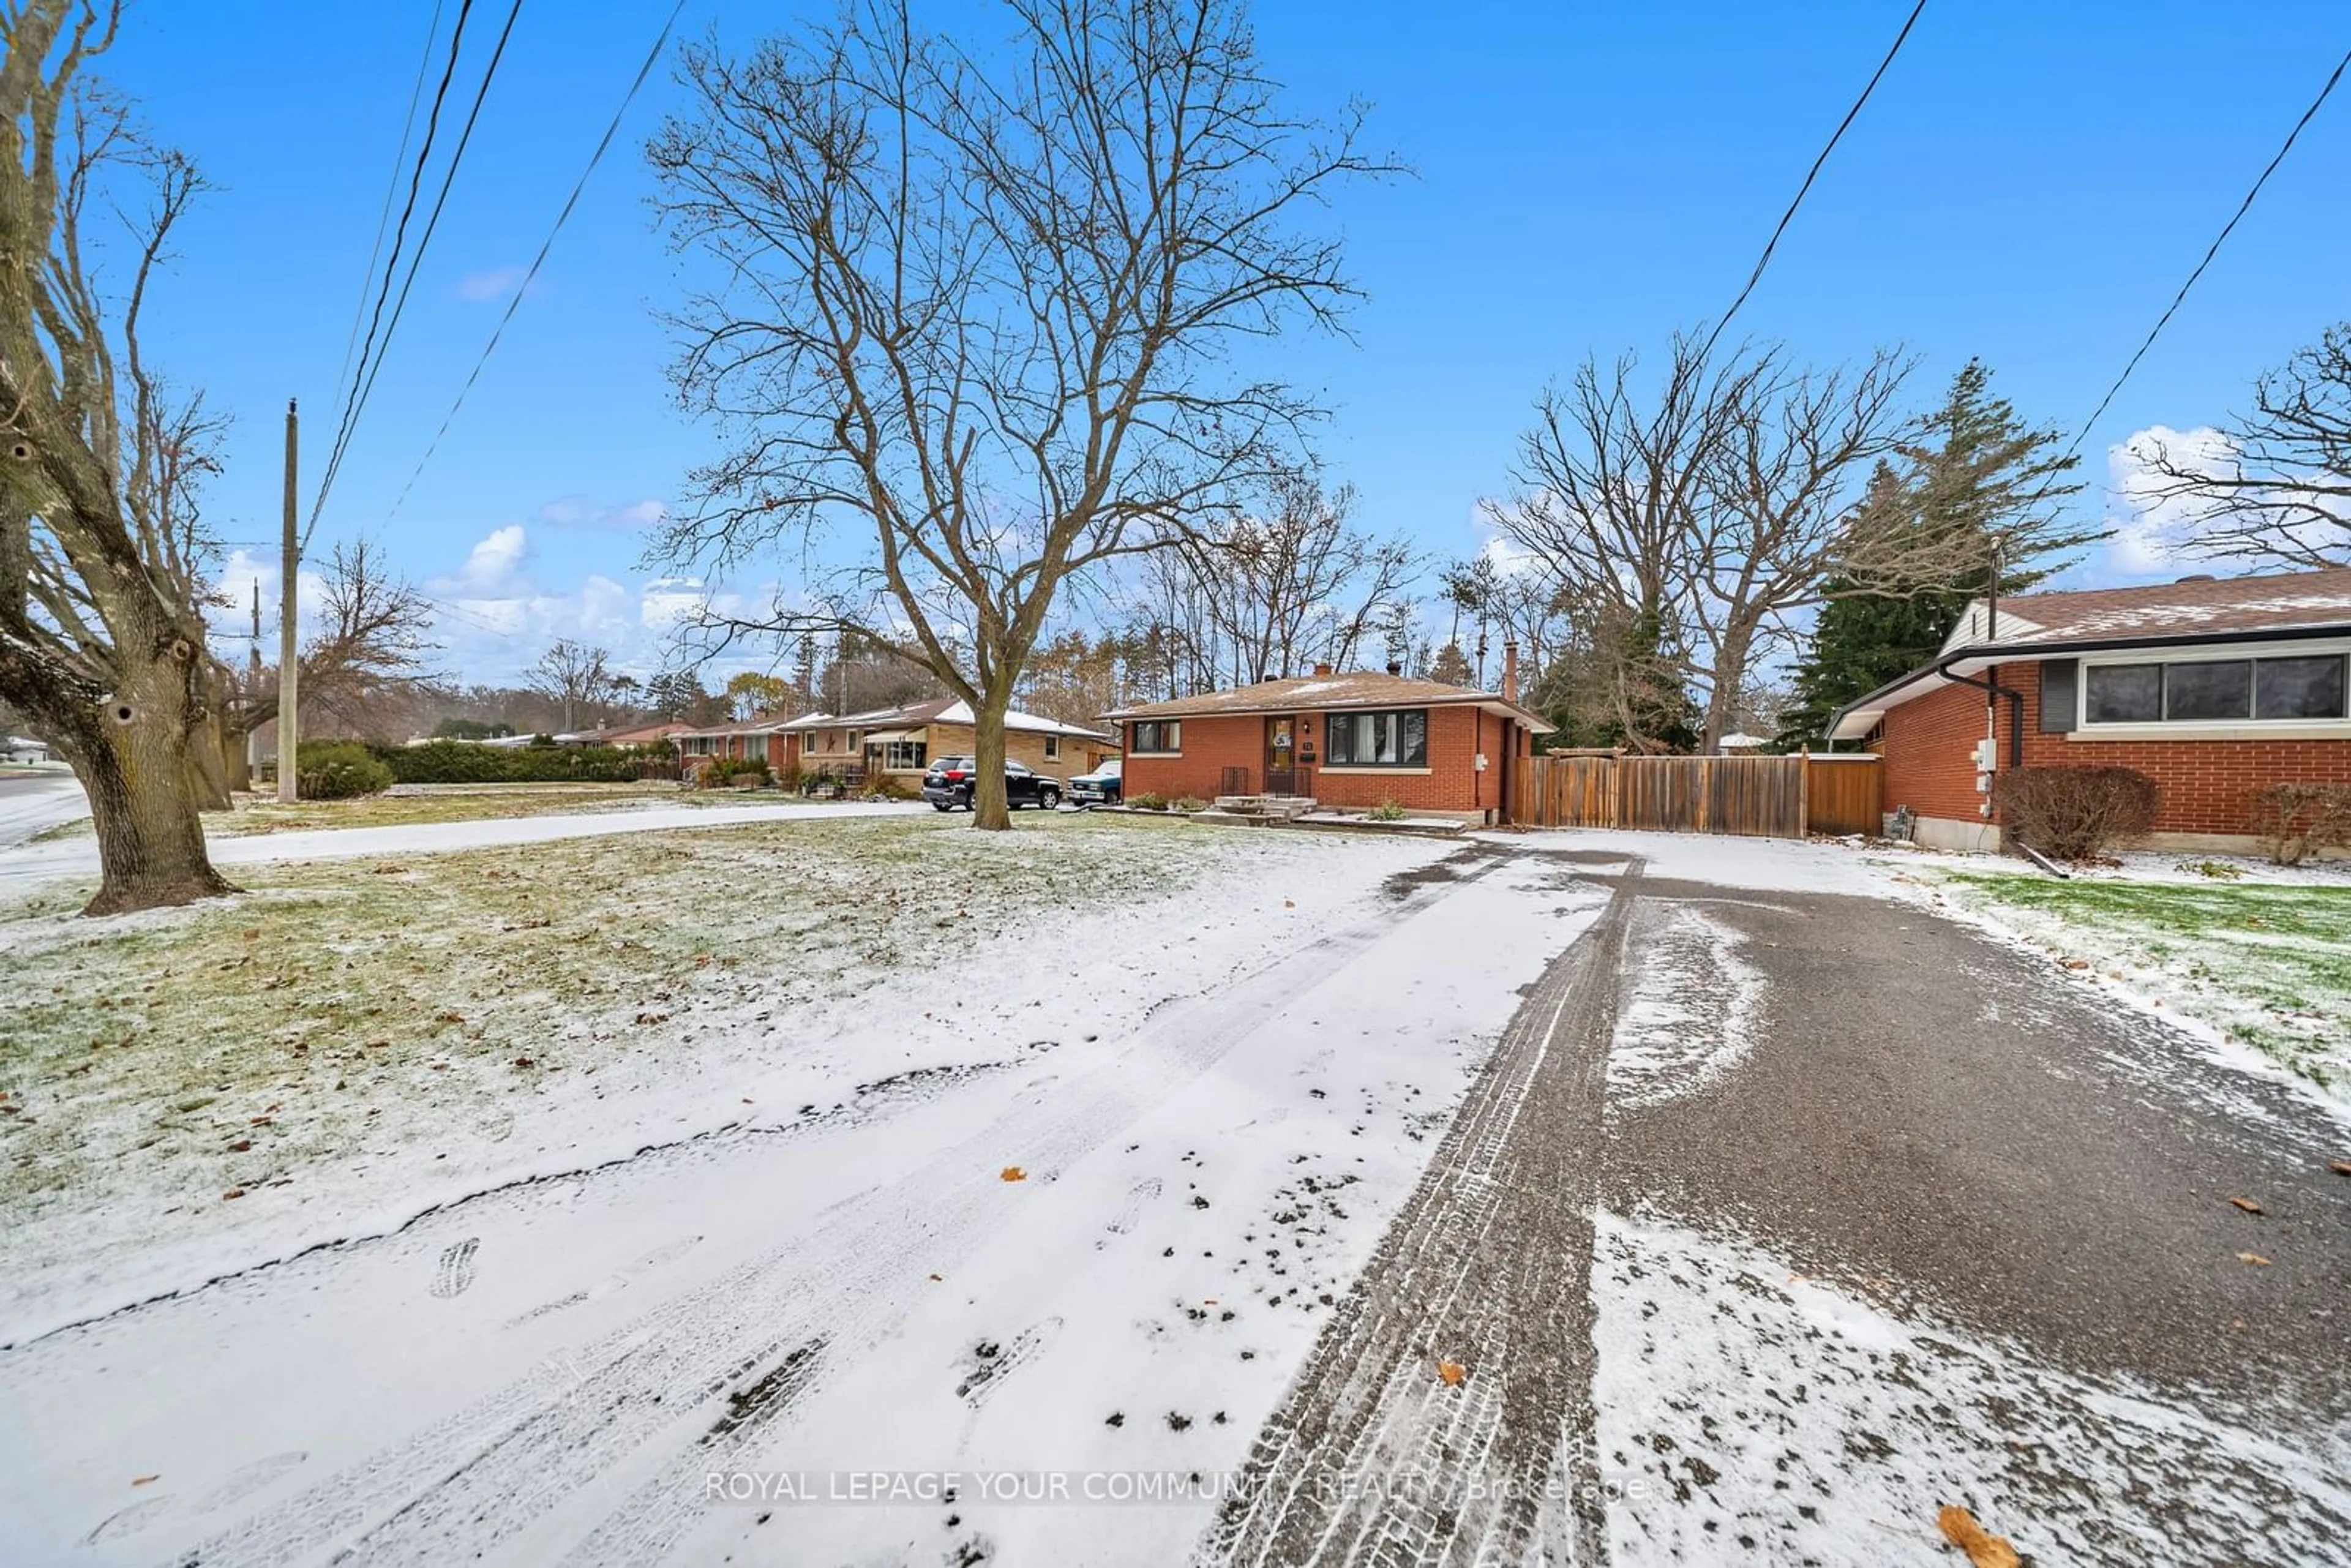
(1053, 749)
(1334, 761)
(2251, 726)
(1168, 735)
(894, 754)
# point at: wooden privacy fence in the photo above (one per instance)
(1759, 797)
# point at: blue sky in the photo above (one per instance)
(2029, 184)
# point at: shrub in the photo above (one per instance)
(2074, 813)
(1388, 810)
(882, 787)
(1188, 804)
(2219, 871)
(2295, 818)
(464, 762)
(725, 770)
(339, 770)
(1149, 800)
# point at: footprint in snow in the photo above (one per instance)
(990, 1362)
(456, 1270)
(131, 1520)
(1131, 1211)
(246, 1479)
(667, 1253)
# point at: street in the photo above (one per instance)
(31, 802)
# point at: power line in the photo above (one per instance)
(399, 241)
(416, 259)
(2242, 208)
(1785, 218)
(390, 189)
(652, 56)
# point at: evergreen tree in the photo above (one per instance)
(1979, 477)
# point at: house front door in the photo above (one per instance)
(1281, 755)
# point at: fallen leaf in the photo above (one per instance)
(2074, 963)
(1452, 1371)
(239, 1147)
(1289, 904)
(2340, 1167)
(144, 1481)
(233, 1192)
(2247, 1203)
(937, 1278)
(2253, 1258)
(1012, 1173)
(1983, 1550)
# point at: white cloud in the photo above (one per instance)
(492, 284)
(493, 564)
(579, 512)
(2152, 531)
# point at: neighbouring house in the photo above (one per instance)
(635, 737)
(1348, 740)
(23, 748)
(896, 742)
(2213, 687)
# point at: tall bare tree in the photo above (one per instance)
(573, 676)
(1781, 496)
(2277, 489)
(1290, 582)
(101, 570)
(983, 306)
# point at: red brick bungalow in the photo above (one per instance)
(1349, 740)
(2212, 687)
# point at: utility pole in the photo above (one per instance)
(253, 690)
(288, 670)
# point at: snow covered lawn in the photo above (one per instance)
(2266, 966)
(354, 1042)
(408, 805)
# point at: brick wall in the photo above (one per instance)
(1456, 735)
(2205, 784)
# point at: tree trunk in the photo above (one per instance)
(150, 843)
(208, 765)
(1731, 660)
(990, 809)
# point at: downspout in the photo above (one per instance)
(1993, 691)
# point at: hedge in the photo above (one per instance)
(340, 770)
(464, 762)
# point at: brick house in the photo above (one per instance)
(1348, 740)
(897, 742)
(2213, 687)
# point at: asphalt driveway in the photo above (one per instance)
(1780, 1220)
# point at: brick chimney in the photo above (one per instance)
(1322, 669)
(1510, 672)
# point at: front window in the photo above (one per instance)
(2215, 691)
(901, 756)
(1397, 739)
(1053, 749)
(1163, 736)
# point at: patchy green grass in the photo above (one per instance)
(378, 1011)
(2268, 966)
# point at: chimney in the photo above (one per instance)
(1395, 668)
(1510, 672)
(1322, 669)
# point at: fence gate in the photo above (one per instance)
(1761, 797)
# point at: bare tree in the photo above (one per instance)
(101, 563)
(984, 307)
(1780, 495)
(573, 676)
(1290, 584)
(2278, 489)
(1611, 497)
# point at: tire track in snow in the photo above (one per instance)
(1488, 1266)
(485, 1473)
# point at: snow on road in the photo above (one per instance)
(30, 802)
(978, 1267)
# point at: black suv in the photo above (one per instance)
(948, 784)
